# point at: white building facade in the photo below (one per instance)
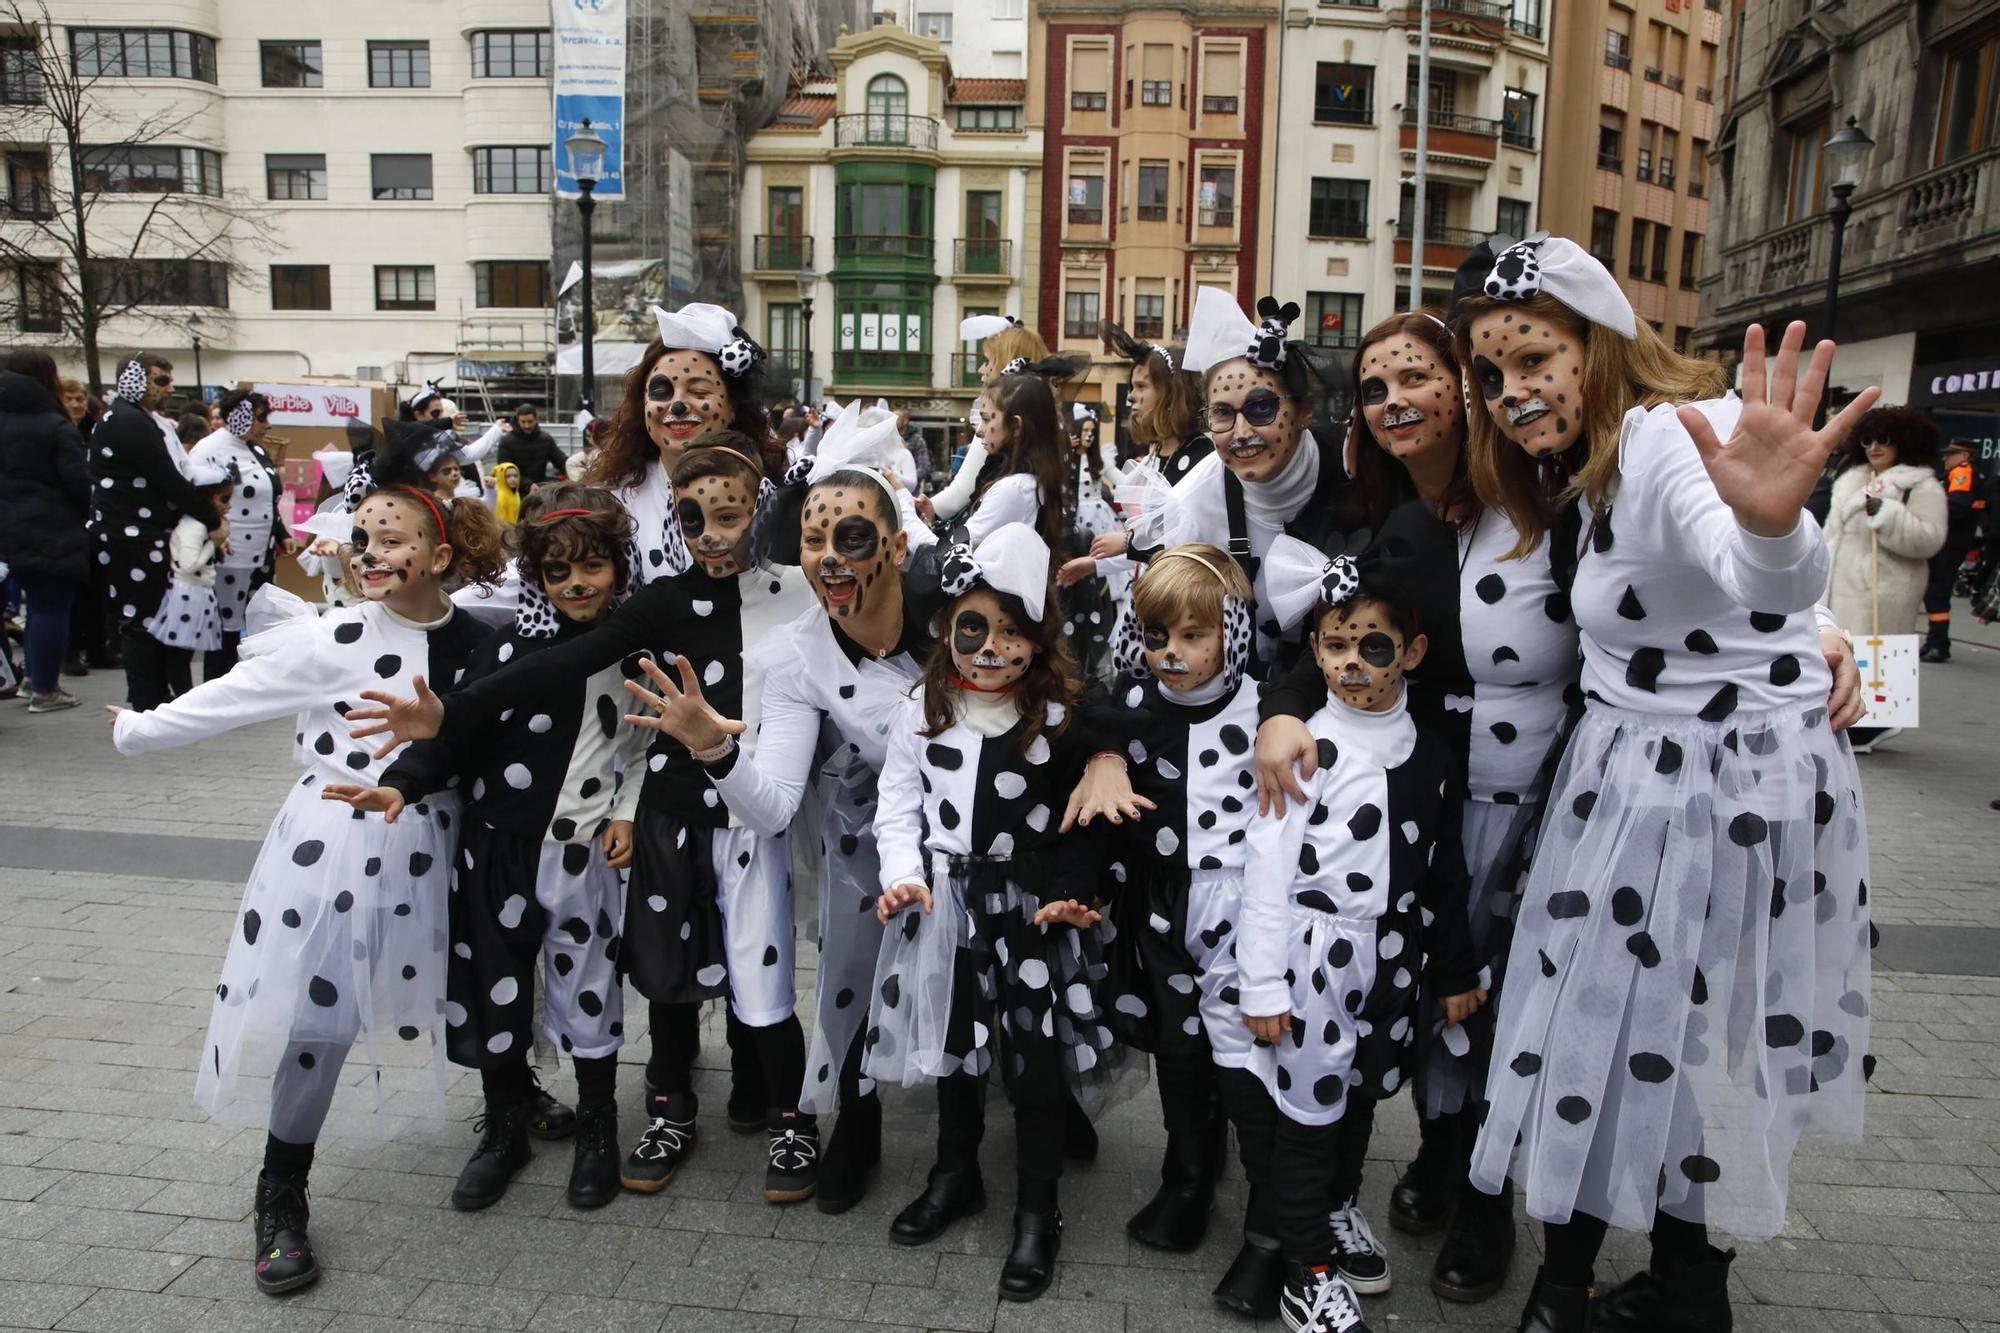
(984, 39)
(1347, 149)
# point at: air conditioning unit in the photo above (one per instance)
(368, 373)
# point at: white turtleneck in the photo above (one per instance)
(1279, 500)
(1205, 693)
(989, 715)
(1382, 740)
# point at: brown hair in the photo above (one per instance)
(1378, 488)
(602, 530)
(720, 453)
(1004, 346)
(1176, 414)
(1910, 431)
(478, 542)
(1040, 446)
(1619, 374)
(38, 366)
(1051, 678)
(626, 451)
(1189, 581)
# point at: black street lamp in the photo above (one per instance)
(586, 162)
(808, 282)
(194, 336)
(1846, 154)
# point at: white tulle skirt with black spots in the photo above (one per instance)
(187, 617)
(975, 986)
(850, 938)
(336, 958)
(1688, 990)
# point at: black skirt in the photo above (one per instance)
(673, 949)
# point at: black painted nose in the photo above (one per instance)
(677, 408)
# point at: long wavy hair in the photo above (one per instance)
(1051, 678)
(1039, 445)
(627, 451)
(1618, 375)
(478, 542)
(1379, 479)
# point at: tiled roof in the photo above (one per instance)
(804, 109)
(983, 91)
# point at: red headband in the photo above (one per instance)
(544, 520)
(444, 533)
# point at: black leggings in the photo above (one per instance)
(1188, 1091)
(1570, 1248)
(1038, 1139)
(778, 1051)
(1291, 1168)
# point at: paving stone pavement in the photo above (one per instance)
(122, 1209)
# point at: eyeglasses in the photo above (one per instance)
(1259, 409)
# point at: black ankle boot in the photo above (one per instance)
(1031, 1264)
(1079, 1135)
(663, 1145)
(503, 1150)
(1553, 1309)
(285, 1260)
(593, 1171)
(547, 1117)
(1421, 1201)
(1473, 1262)
(1177, 1216)
(948, 1196)
(792, 1170)
(1250, 1286)
(1673, 1296)
(852, 1150)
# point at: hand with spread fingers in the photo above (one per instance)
(1106, 789)
(1068, 912)
(1286, 756)
(384, 801)
(400, 719)
(680, 710)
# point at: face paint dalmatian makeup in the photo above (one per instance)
(1185, 655)
(994, 430)
(685, 398)
(1409, 399)
(715, 513)
(843, 549)
(580, 585)
(1530, 371)
(1363, 656)
(988, 650)
(1253, 420)
(396, 556)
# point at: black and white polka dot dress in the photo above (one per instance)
(656, 529)
(1179, 873)
(141, 492)
(975, 984)
(186, 618)
(340, 938)
(254, 525)
(1350, 898)
(1688, 990)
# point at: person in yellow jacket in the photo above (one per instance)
(507, 493)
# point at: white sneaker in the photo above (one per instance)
(1363, 1261)
(1316, 1300)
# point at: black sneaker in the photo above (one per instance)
(793, 1170)
(503, 1150)
(1935, 652)
(285, 1260)
(1316, 1300)
(593, 1172)
(665, 1143)
(547, 1117)
(1363, 1261)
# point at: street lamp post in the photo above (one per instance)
(194, 336)
(1846, 155)
(586, 163)
(808, 282)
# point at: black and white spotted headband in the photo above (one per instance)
(699, 327)
(424, 395)
(1128, 644)
(241, 419)
(1299, 578)
(132, 382)
(1565, 270)
(1013, 559)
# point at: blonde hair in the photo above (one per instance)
(1004, 346)
(1618, 375)
(1189, 582)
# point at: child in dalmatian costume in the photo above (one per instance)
(992, 960)
(547, 828)
(1349, 897)
(187, 622)
(1688, 989)
(340, 938)
(256, 519)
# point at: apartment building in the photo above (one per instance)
(984, 39)
(1632, 119)
(1343, 224)
(1160, 141)
(898, 197)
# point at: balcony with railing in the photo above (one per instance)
(1444, 247)
(976, 258)
(882, 129)
(1488, 19)
(782, 254)
(856, 368)
(1453, 134)
(1529, 28)
(965, 369)
(1610, 161)
(1221, 216)
(881, 245)
(1618, 59)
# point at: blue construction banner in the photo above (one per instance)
(590, 85)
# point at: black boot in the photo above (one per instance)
(73, 665)
(1553, 1309)
(593, 1171)
(852, 1150)
(793, 1168)
(1177, 1216)
(547, 1117)
(1251, 1284)
(503, 1150)
(1079, 1135)
(1673, 1296)
(285, 1260)
(665, 1143)
(1472, 1264)
(1031, 1264)
(948, 1196)
(1421, 1201)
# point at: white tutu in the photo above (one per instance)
(1688, 989)
(187, 617)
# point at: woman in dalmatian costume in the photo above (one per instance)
(257, 528)
(340, 937)
(1006, 346)
(1688, 988)
(992, 960)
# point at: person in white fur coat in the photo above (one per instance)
(1886, 521)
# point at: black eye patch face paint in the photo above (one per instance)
(969, 633)
(1377, 649)
(856, 538)
(659, 388)
(1374, 390)
(1155, 636)
(555, 571)
(693, 520)
(358, 539)
(1491, 382)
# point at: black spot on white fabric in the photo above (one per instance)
(1574, 1110)
(1629, 606)
(1720, 704)
(1491, 589)
(1648, 1067)
(252, 923)
(1627, 906)
(1233, 738)
(1569, 904)
(307, 852)
(1643, 671)
(388, 665)
(1784, 670)
(1766, 622)
(347, 633)
(1365, 822)
(323, 992)
(946, 757)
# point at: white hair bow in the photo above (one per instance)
(700, 327)
(1013, 559)
(1566, 271)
